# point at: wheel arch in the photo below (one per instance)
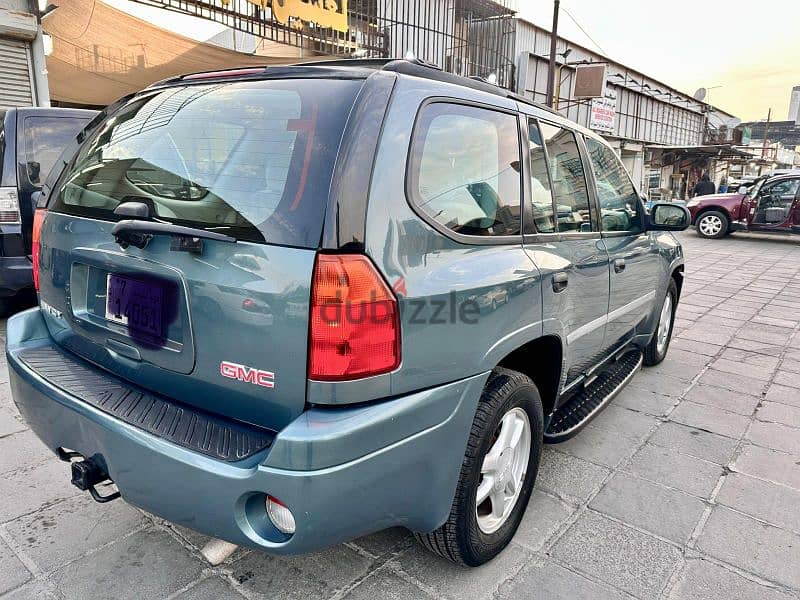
(677, 275)
(540, 359)
(712, 208)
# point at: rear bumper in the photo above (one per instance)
(16, 274)
(342, 472)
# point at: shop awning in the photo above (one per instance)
(101, 53)
(705, 152)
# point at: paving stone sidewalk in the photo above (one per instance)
(687, 486)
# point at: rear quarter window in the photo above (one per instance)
(45, 139)
(251, 159)
(464, 173)
(8, 164)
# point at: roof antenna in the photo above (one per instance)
(410, 55)
(492, 78)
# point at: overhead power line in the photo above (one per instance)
(574, 20)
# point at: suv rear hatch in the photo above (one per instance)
(221, 324)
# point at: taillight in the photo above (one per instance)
(9, 205)
(36, 236)
(355, 323)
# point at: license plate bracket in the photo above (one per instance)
(137, 304)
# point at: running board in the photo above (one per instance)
(584, 406)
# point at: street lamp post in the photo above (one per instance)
(551, 73)
(558, 83)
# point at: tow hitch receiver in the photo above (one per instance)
(87, 473)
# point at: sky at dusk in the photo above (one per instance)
(750, 49)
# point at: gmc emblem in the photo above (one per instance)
(247, 374)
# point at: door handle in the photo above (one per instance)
(560, 281)
(619, 265)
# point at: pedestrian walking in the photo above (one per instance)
(705, 186)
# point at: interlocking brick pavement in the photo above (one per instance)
(687, 486)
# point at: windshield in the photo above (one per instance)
(249, 159)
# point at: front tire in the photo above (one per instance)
(713, 224)
(656, 350)
(497, 474)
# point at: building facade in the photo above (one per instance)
(23, 80)
(794, 105)
(638, 116)
(785, 132)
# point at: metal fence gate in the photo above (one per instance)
(467, 37)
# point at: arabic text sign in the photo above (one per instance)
(325, 13)
(603, 114)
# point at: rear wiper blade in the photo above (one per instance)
(135, 232)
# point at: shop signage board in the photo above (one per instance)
(603, 113)
(590, 81)
(325, 13)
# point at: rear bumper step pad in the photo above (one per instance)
(173, 421)
(584, 406)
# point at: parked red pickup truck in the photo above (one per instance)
(772, 205)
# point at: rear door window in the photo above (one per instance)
(541, 196)
(45, 138)
(465, 169)
(250, 159)
(568, 179)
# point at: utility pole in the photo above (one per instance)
(551, 73)
(764, 146)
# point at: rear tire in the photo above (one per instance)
(713, 224)
(473, 534)
(656, 350)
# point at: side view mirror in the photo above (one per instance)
(669, 217)
(743, 189)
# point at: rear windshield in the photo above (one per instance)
(250, 159)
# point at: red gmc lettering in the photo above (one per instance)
(247, 374)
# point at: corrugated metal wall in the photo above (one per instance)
(15, 73)
(647, 111)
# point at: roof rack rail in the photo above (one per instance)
(425, 70)
(209, 74)
(365, 63)
(406, 66)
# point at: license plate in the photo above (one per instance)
(134, 303)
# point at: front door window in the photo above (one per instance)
(619, 201)
(775, 202)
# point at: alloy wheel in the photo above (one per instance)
(710, 225)
(664, 323)
(503, 471)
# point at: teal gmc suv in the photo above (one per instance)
(290, 306)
